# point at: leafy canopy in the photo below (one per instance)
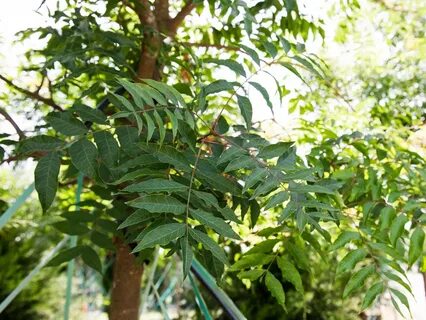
(176, 159)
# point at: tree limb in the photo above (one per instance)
(7, 116)
(178, 19)
(162, 13)
(32, 95)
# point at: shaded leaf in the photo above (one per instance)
(83, 155)
(161, 235)
(159, 204)
(65, 123)
(276, 288)
(209, 244)
(217, 224)
(357, 280)
(46, 178)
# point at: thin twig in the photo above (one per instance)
(18, 130)
(32, 95)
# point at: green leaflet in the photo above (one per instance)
(46, 178)
(142, 160)
(218, 86)
(246, 109)
(277, 199)
(256, 176)
(209, 174)
(160, 125)
(170, 155)
(401, 297)
(139, 96)
(127, 136)
(139, 216)
(263, 92)
(230, 154)
(396, 278)
(263, 247)
(156, 185)
(168, 91)
(299, 255)
(65, 256)
(101, 240)
(71, 228)
(275, 150)
(290, 273)
(132, 175)
(173, 121)
(350, 260)
(139, 122)
(107, 146)
(265, 186)
(40, 143)
(372, 293)
(151, 126)
(154, 94)
(307, 64)
(397, 228)
(83, 155)
(161, 235)
(242, 162)
(270, 48)
(344, 238)
(217, 224)
(357, 280)
(292, 69)
(276, 288)
(155, 224)
(65, 123)
(251, 274)
(209, 244)
(416, 245)
(207, 198)
(123, 102)
(315, 188)
(387, 214)
(187, 255)
(91, 258)
(252, 53)
(231, 64)
(252, 260)
(89, 114)
(159, 204)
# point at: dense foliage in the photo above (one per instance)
(174, 158)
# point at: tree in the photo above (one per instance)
(168, 157)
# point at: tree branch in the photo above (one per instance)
(7, 116)
(162, 13)
(178, 19)
(32, 95)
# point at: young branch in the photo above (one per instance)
(32, 95)
(7, 116)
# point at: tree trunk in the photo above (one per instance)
(127, 273)
(126, 285)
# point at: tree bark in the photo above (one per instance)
(126, 285)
